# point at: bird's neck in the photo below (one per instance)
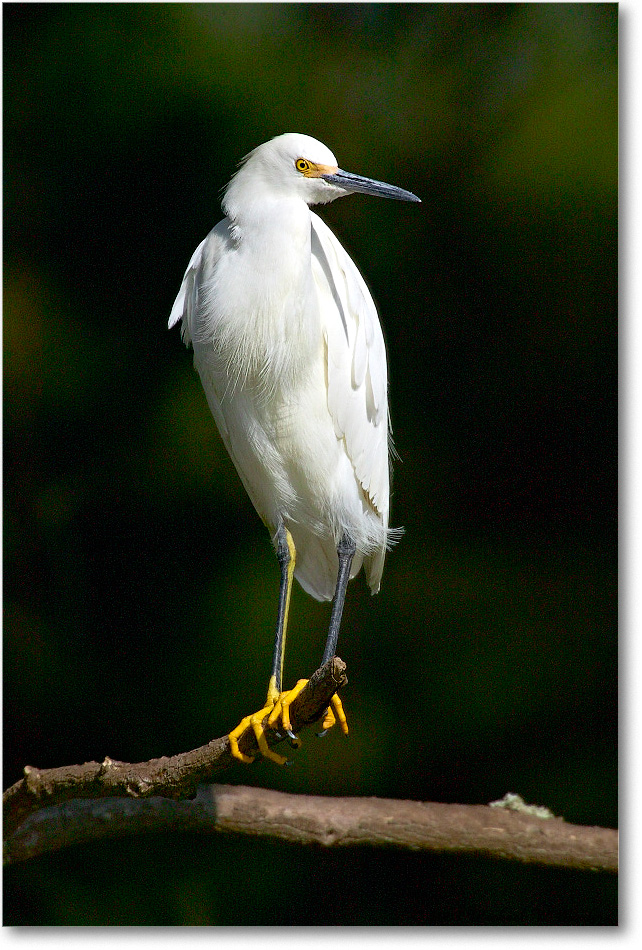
(267, 225)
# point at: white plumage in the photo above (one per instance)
(290, 352)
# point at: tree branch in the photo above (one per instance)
(173, 777)
(51, 809)
(330, 822)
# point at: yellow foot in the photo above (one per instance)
(333, 713)
(279, 708)
(255, 721)
(282, 707)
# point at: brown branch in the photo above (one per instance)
(51, 809)
(173, 777)
(330, 822)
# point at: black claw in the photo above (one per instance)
(323, 733)
(290, 734)
(278, 735)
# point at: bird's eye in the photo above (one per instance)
(302, 165)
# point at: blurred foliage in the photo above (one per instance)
(140, 587)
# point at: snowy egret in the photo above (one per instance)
(290, 352)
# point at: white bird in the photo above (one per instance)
(291, 356)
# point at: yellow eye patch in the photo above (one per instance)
(312, 169)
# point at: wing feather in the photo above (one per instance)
(356, 364)
(188, 305)
(189, 308)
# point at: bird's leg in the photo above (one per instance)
(277, 703)
(345, 549)
(286, 554)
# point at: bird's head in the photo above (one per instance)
(297, 166)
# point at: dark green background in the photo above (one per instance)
(140, 586)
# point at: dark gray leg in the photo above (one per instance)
(345, 550)
(286, 556)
